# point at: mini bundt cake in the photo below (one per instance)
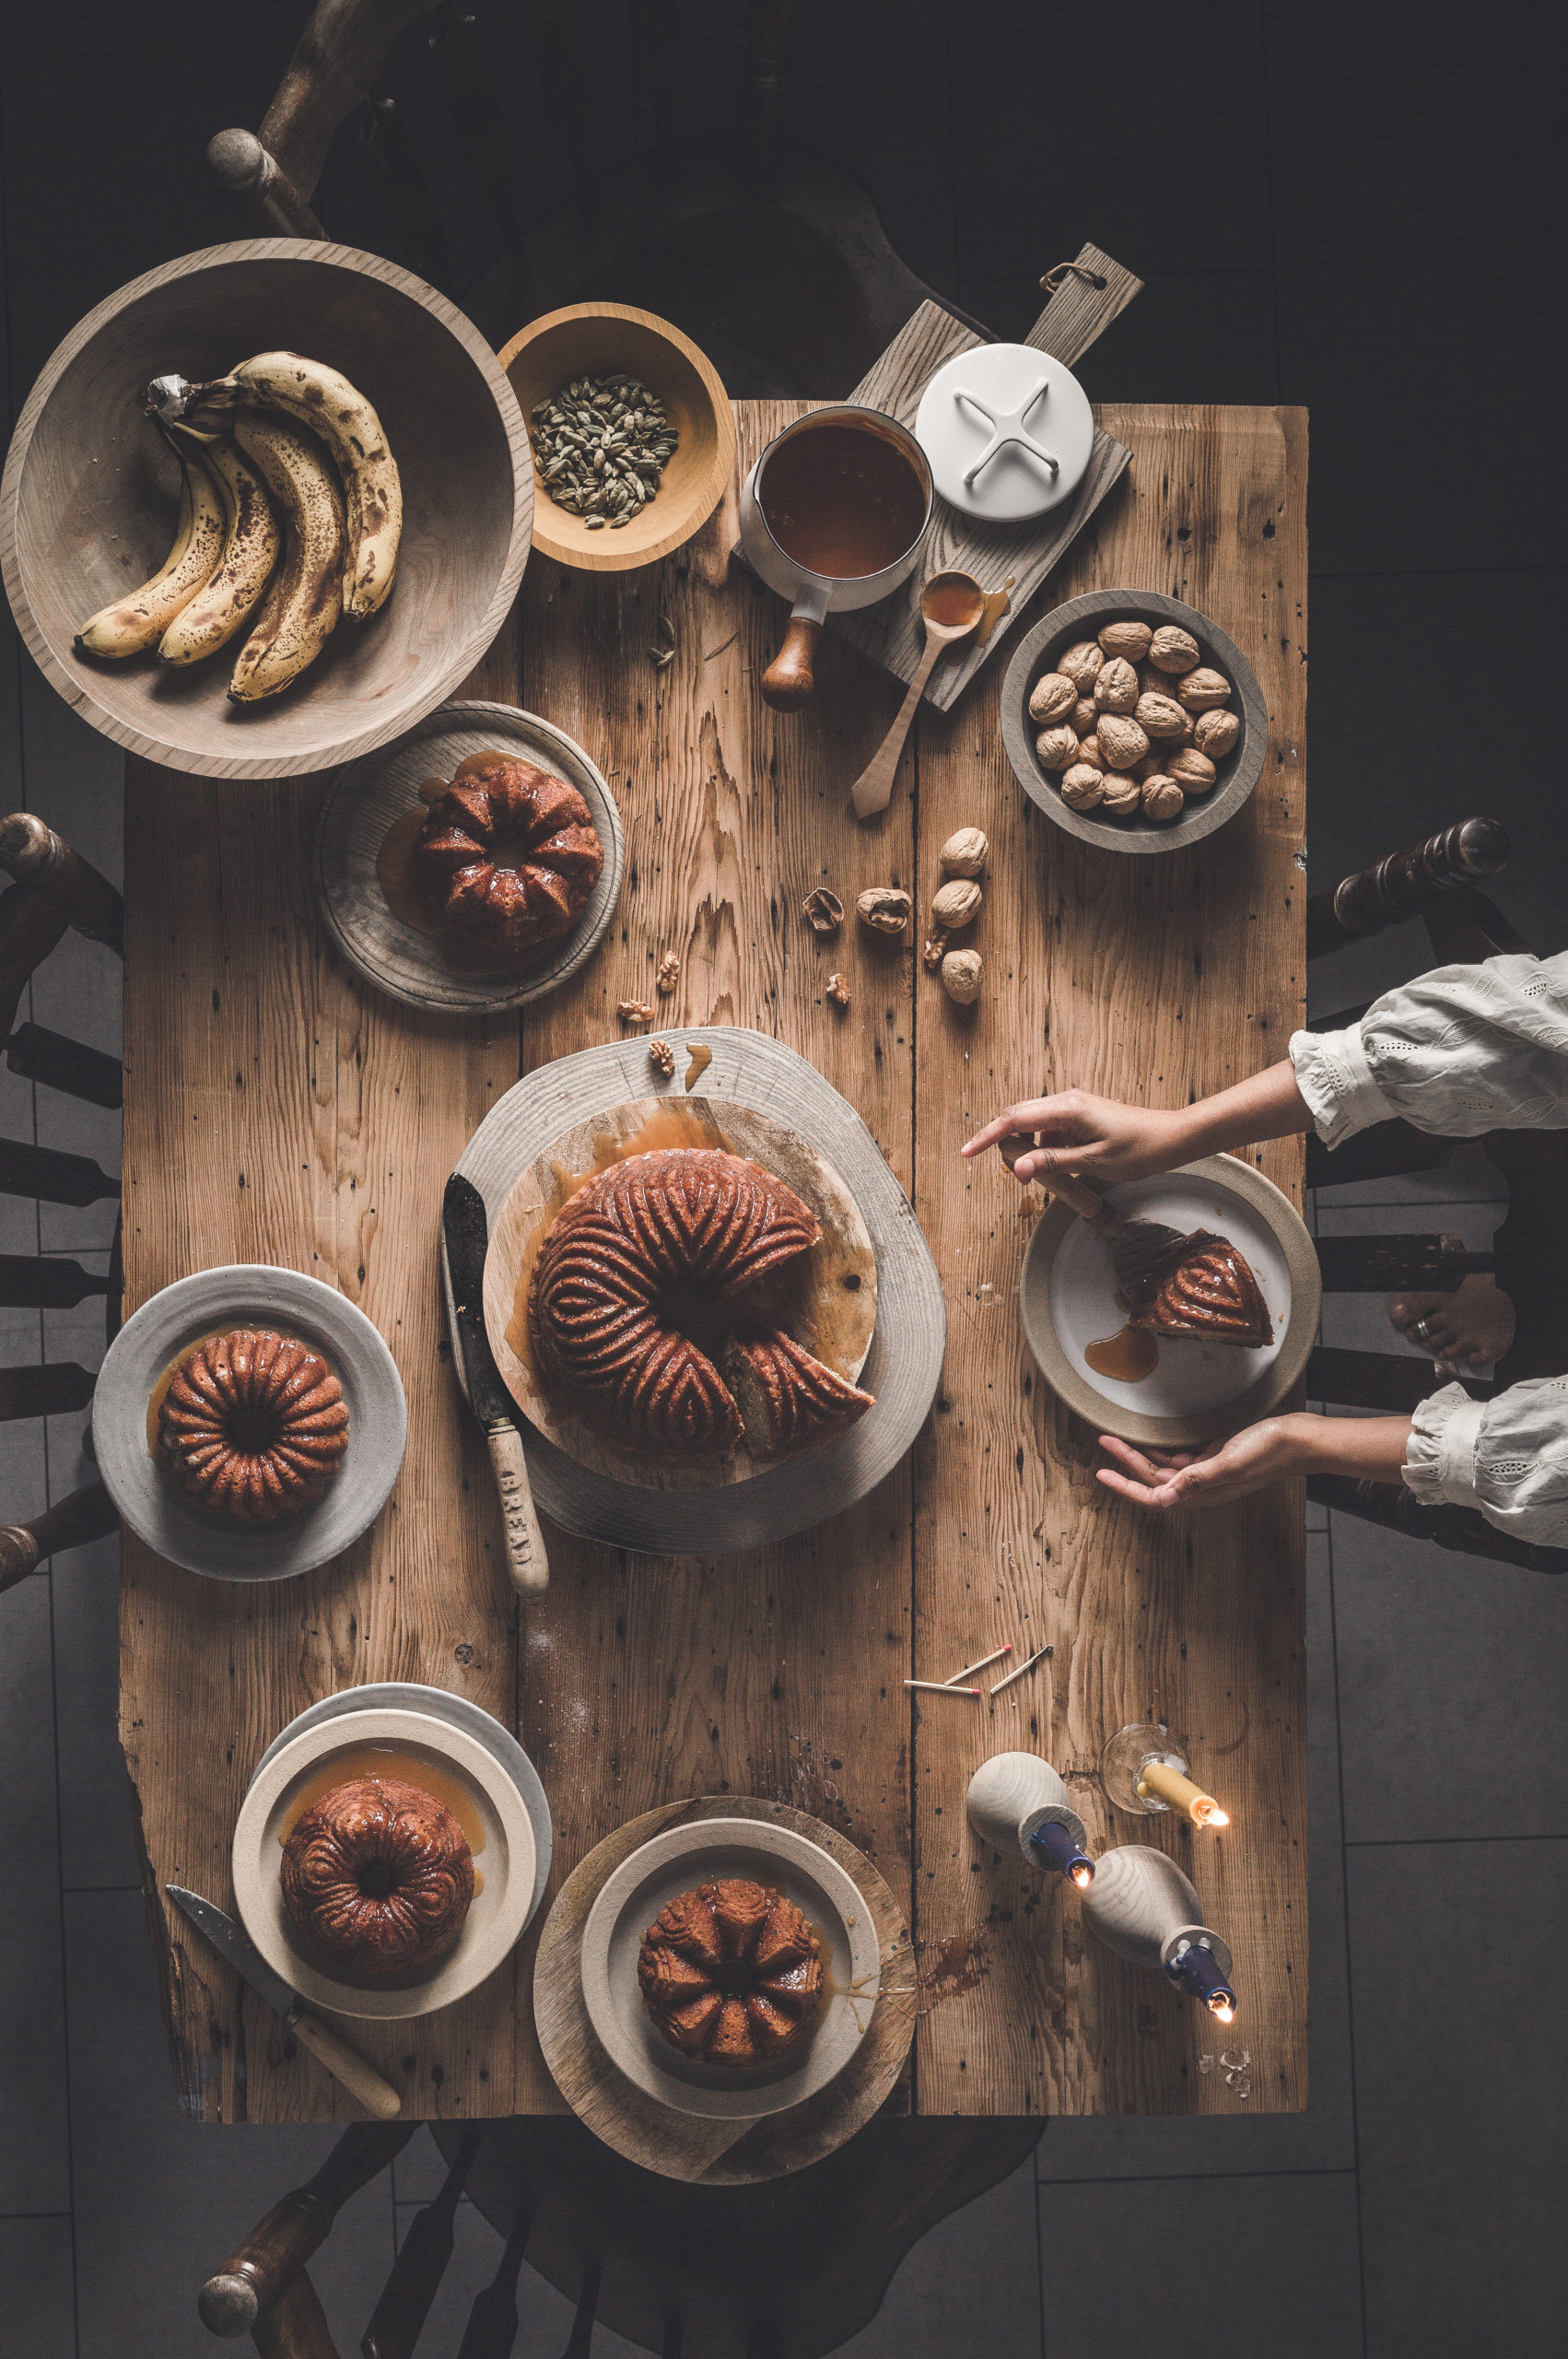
(377, 1877)
(253, 1426)
(731, 1973)
(508, 860)
(788, 1400)
(657, 1243)
(1203, 1287)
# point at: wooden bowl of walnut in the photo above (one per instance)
(1163, 736)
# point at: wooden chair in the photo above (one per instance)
(1436, 881)
(56, 890)
(771, 256)
(786, 2270)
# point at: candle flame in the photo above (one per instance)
(1209, 1813)
(1221, 2009)
(1082, 1875)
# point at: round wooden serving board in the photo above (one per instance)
(748, 1071)
(831, 1302)
(403, 960)
(687, 2146)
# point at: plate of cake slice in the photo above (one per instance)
(1216, 1335)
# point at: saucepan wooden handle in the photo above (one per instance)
(788, 683)
(1085, 1201)
(526, 1560)
(361, 2079)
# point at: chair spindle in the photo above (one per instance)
(1463, 1530)
(1405, 883)
(59, 1178)
(1389, 1380)
(39, 1054)
(48, 1392)
(398, 2316)
(45, 1282)
(35, 855)
(84, 1515)
(1374, 1264)
(492, 2322)
(282, 2242)
(294, 2325)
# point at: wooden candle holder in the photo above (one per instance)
(1013, 1793)
(1142, 1907)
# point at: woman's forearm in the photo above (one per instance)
(1268, 1105)
(1371, 1450)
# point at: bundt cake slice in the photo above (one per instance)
(788, 1400)
(731, 1971)
(1203, 1288)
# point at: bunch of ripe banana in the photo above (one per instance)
(288, 482)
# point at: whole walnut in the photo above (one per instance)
(1129, 639)
(1115, 690)
(1201, 690)
(1082, 787)
(961, 971)
(966, 852)
(1088, 751)
(956, 904)
(1173, 650)
(1215, 732)
(1192, 771)
(1082, 665)
(1121, 741)
(1123, 795)
(1162, 800)
(1057, 747)
(1085, 713)
(1151, 765)
(1159, 716)
(1052, 696)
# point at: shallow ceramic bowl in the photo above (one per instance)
(249, 1295)
(88, 500)
(1199, 1390)
(495, 1919)
(1084, 619)
(671, 1863)
(592, 340)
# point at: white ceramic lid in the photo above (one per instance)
(1008, 431)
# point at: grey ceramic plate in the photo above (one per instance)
(362, 805)
(1067, 1297)
(671, 1863)
(1083, 618)
(409, 1695)
(249, 1295)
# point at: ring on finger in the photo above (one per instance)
(1422, 1329)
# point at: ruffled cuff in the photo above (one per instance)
(1440, 1457)
(1334, 1077)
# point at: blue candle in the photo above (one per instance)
(1196, 1969)
(1054, 1846)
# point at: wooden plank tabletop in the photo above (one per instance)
(278, 1110)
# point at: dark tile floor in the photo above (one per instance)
(1326, 210)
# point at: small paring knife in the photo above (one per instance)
(231, 1942)
(466, 1231)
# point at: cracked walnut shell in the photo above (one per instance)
(885, 908)
(1052, 696)
(822, 911)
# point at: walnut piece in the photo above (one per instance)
(885, 908)
(635, 1010)
(1057, 747)
(1122, 742)
(956, 904)
(1082, 665)
(1052, 696)
(966, 852)
(1163, 799)
(1130, 641)
(839, 990)
(1202, 690)
(669, 974)
(933, 954)
(663, 1054)
(1215, 732)
(961, 971)
(1173, 650)
(1115, 690)
(822, 911)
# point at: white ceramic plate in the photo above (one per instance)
(410, 1696)
(249, 1295)
(494, 1920)
(671, 1863)
(365, 801)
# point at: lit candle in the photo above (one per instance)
(1158, 1780)
(1055, 1845)
(1193, 1967)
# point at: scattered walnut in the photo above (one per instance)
(933, 954)
(663, 1054)
(966, 853)
(1163, 799)
(1052, 696)
(1159, 716)
(822, 911)
(1057, 747)
(1123, 795)
(1082, 665)
(1173, 650)
(1115, 690)
(635, 1010)
(669, 974)
(1203, 690)
(961, 971)
(956, 904)
(1215, 732)
(885, 908)
(1192, 771)
(1082, 787)
(1130, 640)
(839, 990)
(1122, 742)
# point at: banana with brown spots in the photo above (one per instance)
(306, 598)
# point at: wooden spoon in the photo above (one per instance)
(951, 604)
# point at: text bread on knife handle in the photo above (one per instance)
(465, 1228)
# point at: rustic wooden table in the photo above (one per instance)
(277, 1110)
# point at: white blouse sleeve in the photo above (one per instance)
(1458, 1051)
(1508, 1456)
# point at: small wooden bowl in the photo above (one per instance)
(88, 499)
(1086, 618)
(590, 340)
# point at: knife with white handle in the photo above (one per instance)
(231, 1942)
(466, 1233)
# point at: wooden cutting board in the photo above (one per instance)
(892, 633)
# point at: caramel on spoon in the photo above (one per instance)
(951, 604)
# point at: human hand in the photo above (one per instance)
(1096, 1136)
(1248, 1461)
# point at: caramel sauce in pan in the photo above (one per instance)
(1127, 1356)
(842, 500)
(399, 879)
(159, 1392)
(390, 1761)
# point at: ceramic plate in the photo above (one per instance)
(408, 1695)
(249, 1295)
(500, 1907)
(671, 1863)
(364, 802)
(1198, 1389)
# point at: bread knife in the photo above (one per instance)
(231, 1942)
(465, 1232)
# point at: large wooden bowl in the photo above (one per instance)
(88, 496)
(591, 340)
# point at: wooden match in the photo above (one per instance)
(971, 1668)
(1038, 1656)
(940, 1687)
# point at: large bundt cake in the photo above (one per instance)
(1205, 1288)
(377, 1877)
(254, 1425)
(657, 1245)
(507, 860)
(731, 1973)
